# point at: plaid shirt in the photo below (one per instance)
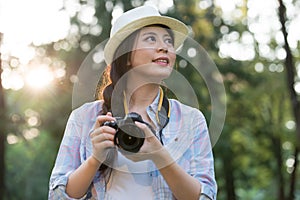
(186, 137)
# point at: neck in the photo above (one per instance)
(139, 98)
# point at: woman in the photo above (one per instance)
(175, 160)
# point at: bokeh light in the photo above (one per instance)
(263, 23)
(40, 77)
(21, 29)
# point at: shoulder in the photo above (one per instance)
(179, 108)
(88, 110)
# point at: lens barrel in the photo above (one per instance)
(129, 137)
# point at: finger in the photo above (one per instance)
(102, 137)
(108, 144)
(145, 128)
(104, 145)
(103, 129)
(101, 119)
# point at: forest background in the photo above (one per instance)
(254, 44)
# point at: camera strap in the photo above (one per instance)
(162, 114)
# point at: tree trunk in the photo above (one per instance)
(229, 179)
(293, 177)
(278, 155)
(290, 68)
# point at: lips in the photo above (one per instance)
(162, 60)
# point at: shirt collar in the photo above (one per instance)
(154, 105)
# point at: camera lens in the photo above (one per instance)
(130, 138)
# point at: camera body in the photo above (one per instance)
(128, 136)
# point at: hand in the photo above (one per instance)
(152, 148)
(151, 143)
(102, 137)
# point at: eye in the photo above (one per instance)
(169, 41)
(150, 39)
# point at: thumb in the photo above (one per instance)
(109, 114)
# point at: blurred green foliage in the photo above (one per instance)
(251, 153)
(28, 165)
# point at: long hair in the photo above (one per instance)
(114, 73)
(105, 88)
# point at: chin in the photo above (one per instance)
(162, 76)
(153, 71)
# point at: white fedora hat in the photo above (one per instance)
(137, 18)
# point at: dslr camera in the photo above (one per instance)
(128, 136)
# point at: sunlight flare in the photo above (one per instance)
(39, 78)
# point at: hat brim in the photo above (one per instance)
(179, 29)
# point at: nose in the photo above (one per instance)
(162, 46)
(162, 49)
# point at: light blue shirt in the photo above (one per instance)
(186, 138)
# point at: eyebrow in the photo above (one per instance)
(153, 33)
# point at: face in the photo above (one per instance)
(153, 52)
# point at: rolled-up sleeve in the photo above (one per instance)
(67, 160)
(202, 161)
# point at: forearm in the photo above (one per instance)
(81, 178)
(182, 185)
